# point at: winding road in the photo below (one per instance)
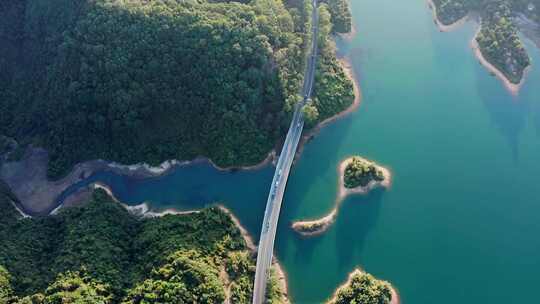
(283, 167)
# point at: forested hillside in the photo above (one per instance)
(149, 80)
(334, 91)
(133, 81)
(99, 253)
(498, 39)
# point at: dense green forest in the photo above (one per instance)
(99, 253)
(340, 15)
(359, 172)
(363, 288)
(149, 80)
(134, 81)
(498, 39)
(333, 90)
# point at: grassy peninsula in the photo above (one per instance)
(100, 253)
(497, 40)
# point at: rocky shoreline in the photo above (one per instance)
(144, 211)
(347, 66)
(38, 196)
(319, 226)
(513, 88)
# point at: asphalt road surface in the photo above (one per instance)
(277, 189)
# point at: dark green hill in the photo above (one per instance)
(148, 80)
(101, 252)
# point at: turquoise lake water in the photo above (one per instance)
(461, 222)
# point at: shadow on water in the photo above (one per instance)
(302, 179)
(308, 245)
(536, 117)
(357, 217)
(508, 113)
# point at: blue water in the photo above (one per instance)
(461, 221)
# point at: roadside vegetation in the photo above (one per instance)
(333, 90)
(363, 288)
(100, 253)
(340, 15)
(136, 81)
(498, 38)
(360, 172)
(146, 81)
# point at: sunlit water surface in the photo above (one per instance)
(461, 221)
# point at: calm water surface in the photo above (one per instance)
(461, 221)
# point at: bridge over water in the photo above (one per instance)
(283, 167)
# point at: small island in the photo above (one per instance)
(361, 175)
(357, 175)
(362, 287)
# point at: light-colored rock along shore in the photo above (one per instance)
(346, 64)
(37, 195)
(395, 295)
(143, 210)
(513, 88)
(319, 226)
(450, 27)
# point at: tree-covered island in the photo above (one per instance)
(363, 288)
(360, 172)
(497, 40)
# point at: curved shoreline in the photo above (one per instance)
(394, 298)
(347, 66)
(319, 226)
(344, 191)
(144, 211)
(443, 27)
(37, 195)
(513, 88)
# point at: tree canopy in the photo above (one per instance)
(498, 39)
(363, 288)
(360, 172)
(136, 81)
(100, 253)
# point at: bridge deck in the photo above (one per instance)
(281, 175)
